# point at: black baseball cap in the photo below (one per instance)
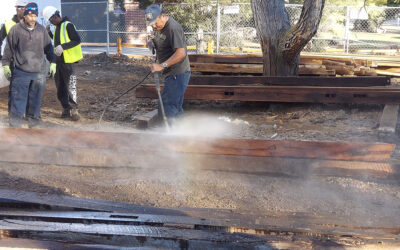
(152, 13)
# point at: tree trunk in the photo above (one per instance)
(281, 44)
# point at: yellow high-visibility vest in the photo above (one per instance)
(9, 24)
(73, 54)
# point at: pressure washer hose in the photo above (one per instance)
(121, 95)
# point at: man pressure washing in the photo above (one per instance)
(68, 50)
(173, 62)
(27, 42)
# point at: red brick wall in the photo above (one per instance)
(134, 22)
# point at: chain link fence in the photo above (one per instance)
(217, 28)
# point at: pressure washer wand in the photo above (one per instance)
(157, 83)
(151, 46)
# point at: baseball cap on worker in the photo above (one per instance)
(151, 13)
(31, 8)
(20, 3)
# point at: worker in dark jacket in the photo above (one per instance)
(27, 42)
(68, 50)
(5, 29)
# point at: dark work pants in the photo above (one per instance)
(173, 93)
(25, 97)
(66, 85)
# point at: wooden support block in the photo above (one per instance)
(147, 120)
(389, 117)
(368, 95)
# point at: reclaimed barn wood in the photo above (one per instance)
(362, 81)
(67, 140)
(368, 95)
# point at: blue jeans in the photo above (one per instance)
(173, 93)
(26, 97)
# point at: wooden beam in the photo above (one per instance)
(389, 117)
(368, 61)
(67, 140)
(362, 81)
(370, 95)
(147, 120)
(238, 59)
(227, 68)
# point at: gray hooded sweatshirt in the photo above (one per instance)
(26, 48)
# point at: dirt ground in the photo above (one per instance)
(100, 79)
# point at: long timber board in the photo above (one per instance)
(370, 95)
(90, 140)
(361, 81)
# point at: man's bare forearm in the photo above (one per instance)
(178, 56)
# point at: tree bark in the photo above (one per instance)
(281, 44)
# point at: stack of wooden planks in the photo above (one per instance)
(311, 89)
(310, 64)
(238, 78)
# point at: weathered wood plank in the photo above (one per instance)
(389, 117)
(369, 95)
(141, 159)
(241, 59)
(227, 68)
(304, 59)
(362, 81)
(255, 69)
(147, 120)
(68, 140)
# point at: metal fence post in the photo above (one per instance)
(347, 30)
(218, 25)
(108, 27)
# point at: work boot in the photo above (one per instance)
(32, 122)
(66, 113)
(15, 122)
(75, 115)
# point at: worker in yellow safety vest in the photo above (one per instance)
(6, 27)
(68, 50)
